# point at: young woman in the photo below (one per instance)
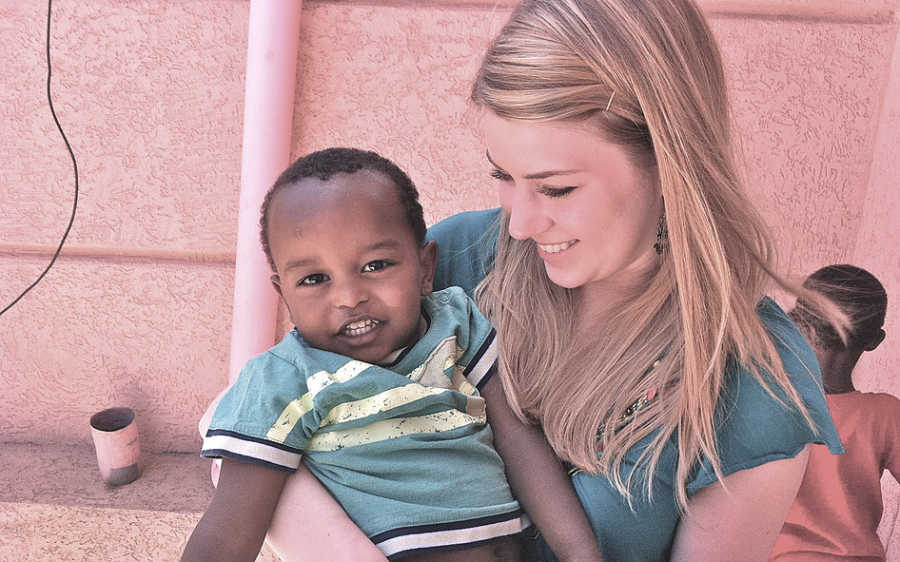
(625, 276)
(628, 282)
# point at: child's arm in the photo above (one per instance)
(539, 481)
(235, 523)
(308, 523)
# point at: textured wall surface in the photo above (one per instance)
(415, 68)
(137, 311)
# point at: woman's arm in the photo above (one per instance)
(539, 481)
(235, 523)
(741, 520)
(309, 524)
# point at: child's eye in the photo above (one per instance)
(314, 279)
(376, 265)
(499, 174)
(556, 191)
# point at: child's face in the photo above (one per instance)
(349, 268)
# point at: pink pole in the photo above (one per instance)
(268, 119)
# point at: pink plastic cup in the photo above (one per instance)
(118, 446)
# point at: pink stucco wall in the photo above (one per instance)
(137, 311)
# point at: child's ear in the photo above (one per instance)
(276, 284)
(428, 260)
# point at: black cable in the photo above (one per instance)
(74, 165)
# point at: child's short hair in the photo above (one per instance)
(857, 293)
(325, 163)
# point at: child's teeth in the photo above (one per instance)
(360, 328)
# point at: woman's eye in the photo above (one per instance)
(376, 265)
(556, 191)
(498, 174)
(314, 279)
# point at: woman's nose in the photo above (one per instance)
(526, 219)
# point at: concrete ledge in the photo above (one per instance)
(848, 11)
(54, 506)
(57, 532)
(68, 475)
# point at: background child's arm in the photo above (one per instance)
(235, 523)
(539, 480)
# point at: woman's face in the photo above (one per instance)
(591, 212)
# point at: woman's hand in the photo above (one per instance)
(741, 520)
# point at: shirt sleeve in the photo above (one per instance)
(483, 364)
(265, 418)
(753, 428)
(476, 338)
(466, 245)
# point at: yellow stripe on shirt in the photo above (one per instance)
(289, 418)
(392, 429)
(292, 413)
(348, 370)
(381, 402)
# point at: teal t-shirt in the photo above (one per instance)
(752, 428)
(404, 448)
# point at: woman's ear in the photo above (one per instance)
(428, 262)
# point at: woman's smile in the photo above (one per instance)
(553, 249)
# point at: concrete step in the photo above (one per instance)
(55, 506)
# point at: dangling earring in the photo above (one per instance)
(662, 235)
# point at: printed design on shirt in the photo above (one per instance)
(432, 378)
(433, 371)
(392, 429)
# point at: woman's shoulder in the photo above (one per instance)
(754, 399)
(756, 421)
(466, 224)
(466, 244)
(797, 356)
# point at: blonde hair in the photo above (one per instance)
(658, 64)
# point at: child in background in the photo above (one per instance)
(376, 387)
(839, 505)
